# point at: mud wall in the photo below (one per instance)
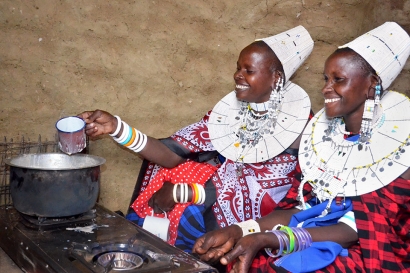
(160, 64)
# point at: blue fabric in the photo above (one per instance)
(319, 254)
(310, 216)
(221, 158)
(191, 226)
(133, 217)
(353, 138)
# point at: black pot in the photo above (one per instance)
(54, 185)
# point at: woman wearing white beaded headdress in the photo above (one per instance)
(251, 137)
(353, 155)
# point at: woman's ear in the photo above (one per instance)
(277, 78)
(375, 80)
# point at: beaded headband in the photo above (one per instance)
(386, 48)
(292, 48)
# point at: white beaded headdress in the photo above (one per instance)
(292, 47)
(386, 48)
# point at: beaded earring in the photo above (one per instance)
(275, 103)
(367, 118)
(377, 94)
(366, 126)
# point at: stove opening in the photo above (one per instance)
(120, 261)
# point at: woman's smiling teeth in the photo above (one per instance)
(331, 100)
(241, 87)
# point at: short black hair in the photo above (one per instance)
(363, 64)
(276, 64)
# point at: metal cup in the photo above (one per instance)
(71, 135)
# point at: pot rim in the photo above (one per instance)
(90, 161)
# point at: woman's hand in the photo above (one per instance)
(246, 249)
(214, 244)
(162, 200)
(99, 122)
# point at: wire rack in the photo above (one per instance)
(9, 149)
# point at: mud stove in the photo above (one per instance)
(97, 241)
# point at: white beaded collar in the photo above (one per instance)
(291, 120)
(344, 170)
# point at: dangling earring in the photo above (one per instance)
(366, 126)
(275, 103)
(275, 98)
(377, 92)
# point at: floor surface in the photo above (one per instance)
(7, 264)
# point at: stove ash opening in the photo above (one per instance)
(120, 261)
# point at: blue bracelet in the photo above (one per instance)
(129, 136)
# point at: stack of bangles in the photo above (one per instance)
(198, 193)
(130, 137)
(291, 239)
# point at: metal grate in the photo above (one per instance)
(9, 149)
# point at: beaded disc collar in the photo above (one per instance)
(335, 166)
(291, 120)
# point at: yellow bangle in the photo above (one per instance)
(132, 138)
(195, 188)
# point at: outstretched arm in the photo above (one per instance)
(101, 122)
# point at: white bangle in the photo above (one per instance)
(143, 144)
(203, 195)
(117, 130)
(181, 193)
(186, 192)
(138, 140)
(249, 227)
(125, 132)
(174, 193)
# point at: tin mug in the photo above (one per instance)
(71, 134)
(157, 226)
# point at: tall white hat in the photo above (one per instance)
(386, 48)
(292, 48)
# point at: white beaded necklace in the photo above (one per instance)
(254, 125)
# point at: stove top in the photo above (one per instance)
(106, 242)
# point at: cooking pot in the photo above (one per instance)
(53, 184)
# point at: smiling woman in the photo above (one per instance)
(353, 155)
(251, 137)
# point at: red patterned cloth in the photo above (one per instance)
(252, 195)
(255, 193)
(383, 223)
(187, 172)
